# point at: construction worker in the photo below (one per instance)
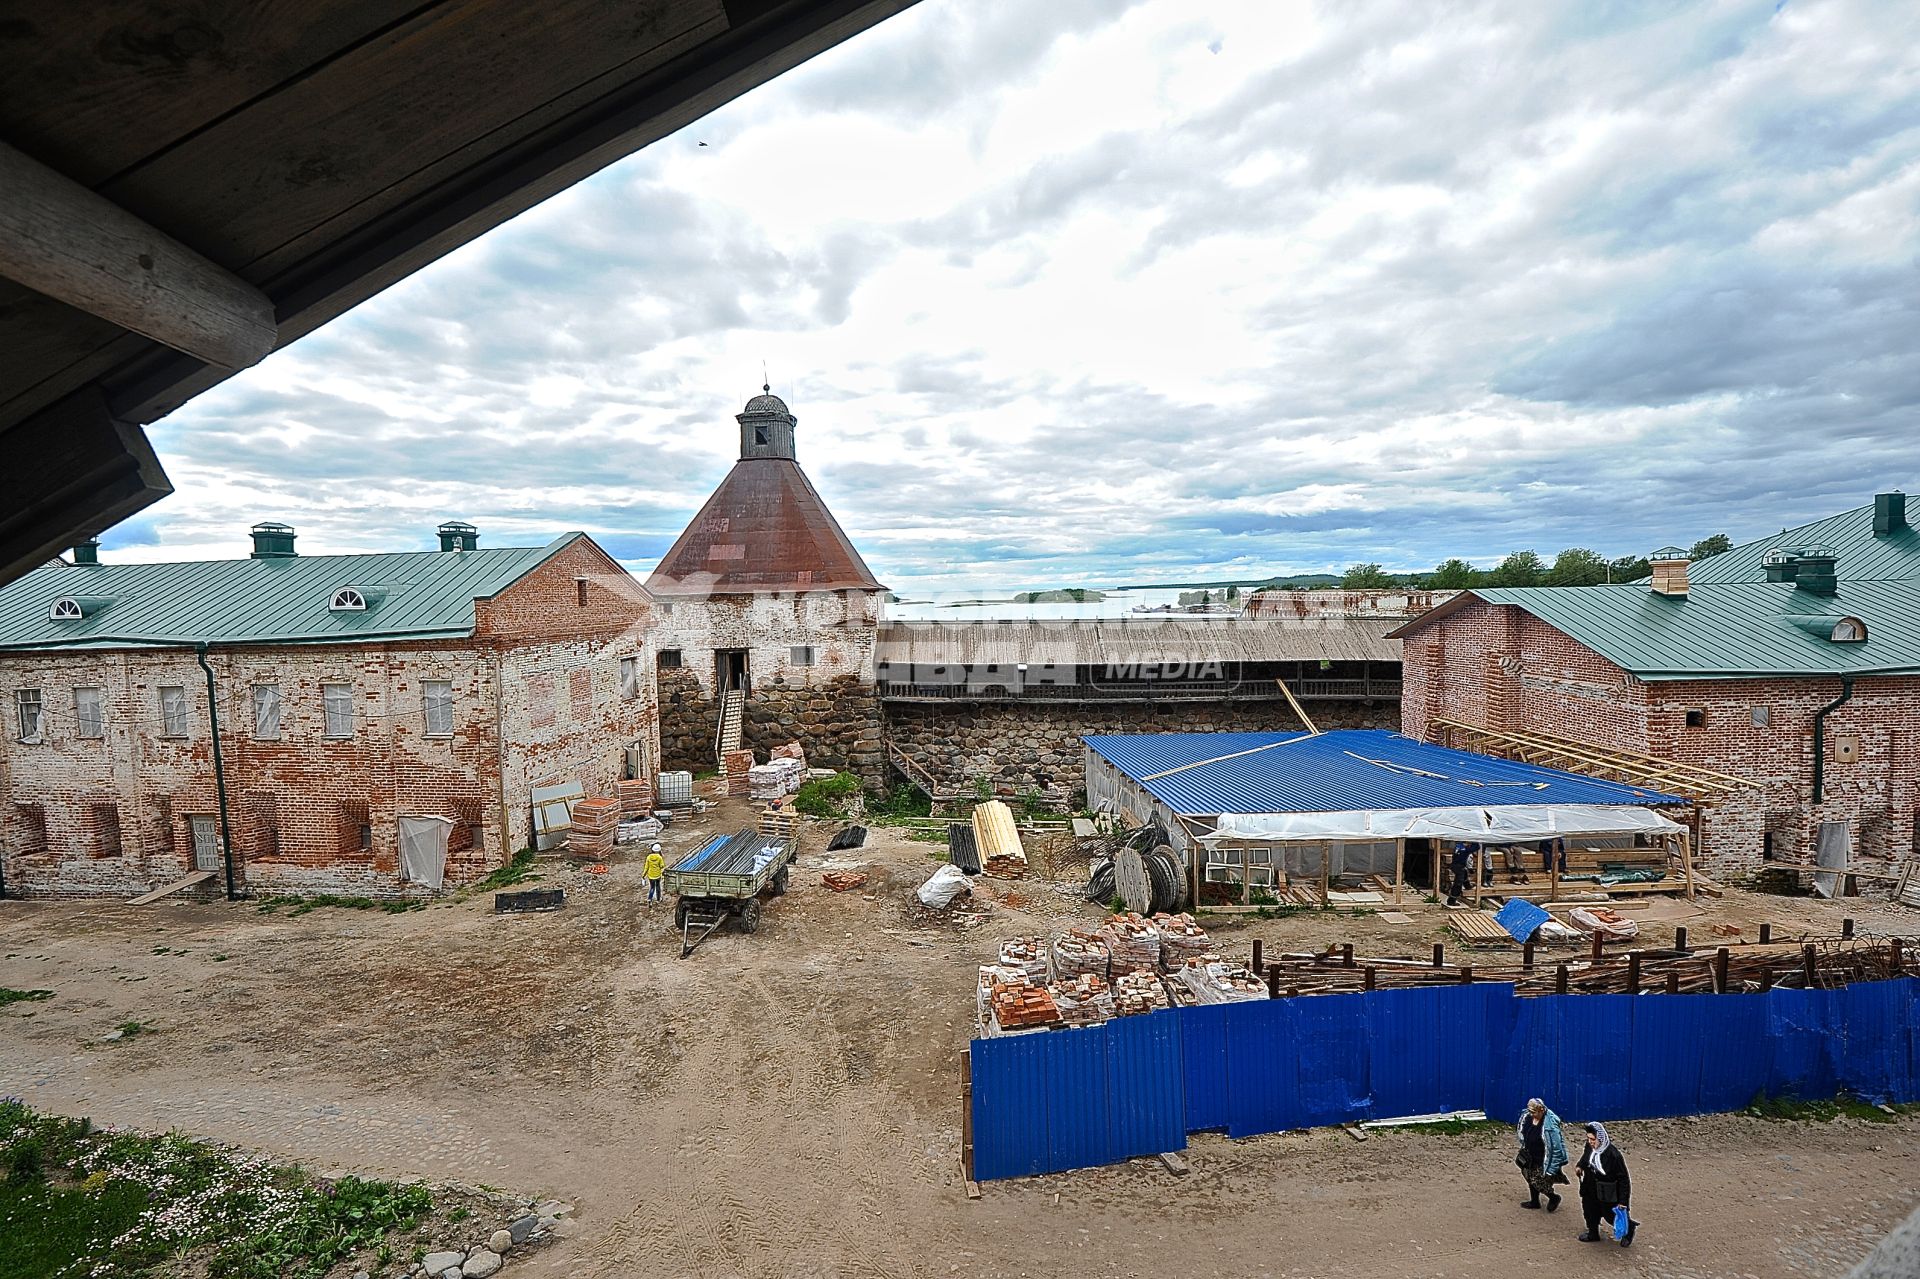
(655, 868)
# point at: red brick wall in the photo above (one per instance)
(1558, 686)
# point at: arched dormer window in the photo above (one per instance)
(1849, 630)
(66, 610)
(348, 600)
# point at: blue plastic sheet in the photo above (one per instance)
(1521, 918)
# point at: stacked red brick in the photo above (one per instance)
(1079, 950)
(1133, 942)
(1010, 1004)
(792, 751)
(1082, 1001)
(736, 765)
(595, 823)
(636, 797)
(1181, 939)
(1139, 991)
(1028, 954)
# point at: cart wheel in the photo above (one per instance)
(680, 913)
(750, 916)
(780, 881)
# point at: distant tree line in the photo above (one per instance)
(1228, 596)
(1575, 566)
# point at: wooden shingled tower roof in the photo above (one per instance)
(765, 529)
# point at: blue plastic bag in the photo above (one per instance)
(1621, 1222)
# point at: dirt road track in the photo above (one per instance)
(785, 1104)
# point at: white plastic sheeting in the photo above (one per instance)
(1500, 824)
(423, 850)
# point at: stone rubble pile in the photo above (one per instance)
(483, 1260)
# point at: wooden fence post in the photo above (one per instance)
(1560, 980)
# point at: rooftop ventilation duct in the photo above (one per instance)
(1782, 563)
(272, 541)
(458, 535)
(1669, 565)
(1814, 572)
(1889, 513)
(87, 552)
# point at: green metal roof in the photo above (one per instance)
(412, 595)
(1860, 556)
(1724, 630)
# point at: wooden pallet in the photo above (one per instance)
(1477, 928)
(782, 822)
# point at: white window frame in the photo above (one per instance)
(89, 721)
(347, 600)
(176, 713)
(66, 610)
(629, 678)
(339, 722)
(802, 655)
(266, 712)
(30, 710)
(436, 695)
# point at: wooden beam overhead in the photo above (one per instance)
(60, 239)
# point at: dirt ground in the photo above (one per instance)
(788, 1103)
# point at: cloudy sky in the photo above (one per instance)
(1081, 291)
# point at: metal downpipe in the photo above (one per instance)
(219, 770)
(1820, 737)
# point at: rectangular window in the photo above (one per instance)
(801, 654)
(629, 678)
(1762, 716)
(669, 659)
(89, 713)
(174, 721)
(337, 700)
(436, 696)
(580, 591)
(1696, 719)
(266, 712)
(27, 700)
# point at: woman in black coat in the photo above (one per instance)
(1604, 1185)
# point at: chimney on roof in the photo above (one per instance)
(1669, 565)
(1782, 564)
(458, 535)
(1889, 513)
(1814, 571)
(87, 552)
(272, 541)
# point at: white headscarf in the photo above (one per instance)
(1599, 1130)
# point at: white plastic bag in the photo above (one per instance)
(946, 884)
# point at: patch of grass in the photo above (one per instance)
(1455, 1127)
(1826, 1109)
(903, 800)
(517, 871)
(8, 996)
(299, 906)
(132, 1029)
(78, 1203)
(827, 796)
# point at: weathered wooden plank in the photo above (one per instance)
(198, 877)
(60, 239)
(111, 82)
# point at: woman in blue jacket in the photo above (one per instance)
(1543, 1154)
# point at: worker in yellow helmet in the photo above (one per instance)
(655, 868)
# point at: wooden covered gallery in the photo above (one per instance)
(1264, 819)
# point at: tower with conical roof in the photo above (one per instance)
(770, 616)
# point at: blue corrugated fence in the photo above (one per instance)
(1138, 1085)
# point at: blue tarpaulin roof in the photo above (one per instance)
(1342, 771)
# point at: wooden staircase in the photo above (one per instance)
(726, 737)
(918, 776)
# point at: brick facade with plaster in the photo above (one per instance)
(535, 694)
(1499, 667)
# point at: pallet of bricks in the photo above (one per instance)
(1009, 1004)
(735, 765)
(1139, 991)
(1084, 1000)
(1001, 855)
(636, 797)
(595, 824)
(1209, 979)
(1077, 951)
(775, 779)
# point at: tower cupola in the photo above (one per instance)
(766, 427)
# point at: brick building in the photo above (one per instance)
(351, 692)
(1792, 662)
(764, 597)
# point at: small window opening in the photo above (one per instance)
(629, 678)
(347, 600)
(669, 659)
(67, 610)
(580, 591)
(801, 654)
(89, 713)
(175, 715)
(1849, 630)
(31, 713)
(1762, 716)
(760, 435)
(1696, 718)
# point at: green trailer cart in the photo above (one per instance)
(729, 875)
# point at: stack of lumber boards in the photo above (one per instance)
(1080, 950)
(1000, 852)
(596, 823)
(1478, 928)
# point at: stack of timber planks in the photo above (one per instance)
(1000, 852)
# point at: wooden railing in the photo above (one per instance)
(1148, 691)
